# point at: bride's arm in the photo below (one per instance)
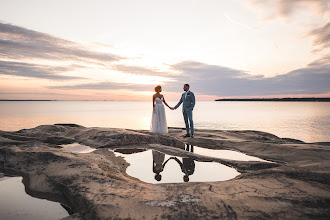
(165, 102)
(153, 101)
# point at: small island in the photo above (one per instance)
(278, 99)
(26, 100)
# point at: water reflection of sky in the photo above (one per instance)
(142, 167)
(77, 148)
(15, 204)
(226, 154)
(170, 166)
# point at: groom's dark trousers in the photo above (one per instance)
(188, 120)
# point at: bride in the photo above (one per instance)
(158, 120)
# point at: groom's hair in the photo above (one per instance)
(187, 85)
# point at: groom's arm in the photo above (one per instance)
(179, 103)
(179, 162)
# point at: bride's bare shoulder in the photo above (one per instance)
(156, 96)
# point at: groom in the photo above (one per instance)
(188, 100)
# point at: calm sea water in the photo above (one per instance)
(307, 121)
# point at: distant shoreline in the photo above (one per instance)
(24, 100)
(224, 100)
(280, 99)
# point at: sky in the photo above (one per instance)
(121, 50)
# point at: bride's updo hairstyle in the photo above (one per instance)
(158, 88)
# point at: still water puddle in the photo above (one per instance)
(77, 148)
(15, 204)
(225, 154)
(152, 166)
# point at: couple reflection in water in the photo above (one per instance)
(187, 164)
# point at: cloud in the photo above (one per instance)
(286, 8)
(202, 71)
(223, 81)
(34, 93)
(34, 70)
(22, 50)
(21, 43)
(20, 93)
(313, 10)
(138, 70)
(206, 79)
(105, 86)
(321, 37)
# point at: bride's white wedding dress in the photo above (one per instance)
(158, 119)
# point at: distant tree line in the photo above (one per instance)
(280, 99)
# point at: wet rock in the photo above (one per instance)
(96, 186)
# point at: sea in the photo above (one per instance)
(306, 121)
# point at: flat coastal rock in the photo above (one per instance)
(95, 185)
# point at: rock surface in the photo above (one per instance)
(96, 186)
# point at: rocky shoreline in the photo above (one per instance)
(96, 186)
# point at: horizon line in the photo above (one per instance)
(169, 100)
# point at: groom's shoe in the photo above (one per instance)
(192, 135)
(187, 135)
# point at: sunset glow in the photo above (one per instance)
(121, 50)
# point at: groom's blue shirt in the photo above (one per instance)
(188, 102)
